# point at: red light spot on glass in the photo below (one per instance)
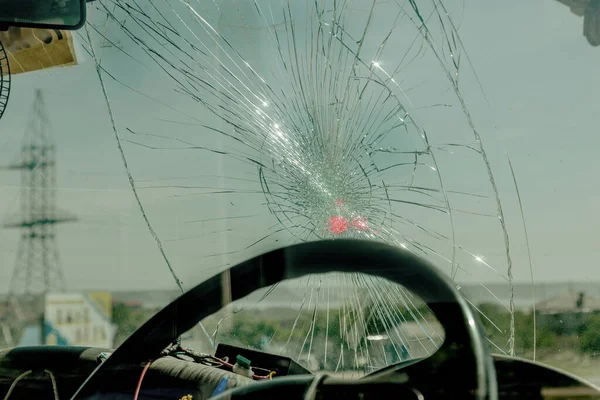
(360, 223)
(338, 225)
(339, 203)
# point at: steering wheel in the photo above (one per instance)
(461, 368)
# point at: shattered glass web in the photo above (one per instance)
(298, 121)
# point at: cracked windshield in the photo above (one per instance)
(167, 141)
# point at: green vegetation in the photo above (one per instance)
(128, 319)
(573, 332)
(568, 331)
(589, 338)
(251, 329)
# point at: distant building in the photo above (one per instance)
(79, 319)
(569, 302)
(566, 312)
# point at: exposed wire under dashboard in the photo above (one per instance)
(270, 365)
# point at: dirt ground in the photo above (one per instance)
(578, 364)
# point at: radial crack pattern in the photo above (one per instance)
(308, 120)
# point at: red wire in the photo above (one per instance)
(225, 363)
(139, 385)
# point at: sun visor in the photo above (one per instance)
(35, 49)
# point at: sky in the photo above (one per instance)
(528, 84)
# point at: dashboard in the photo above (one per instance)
(173, 378)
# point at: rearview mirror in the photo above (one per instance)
(52, 14)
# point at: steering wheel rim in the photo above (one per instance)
(462, 350)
